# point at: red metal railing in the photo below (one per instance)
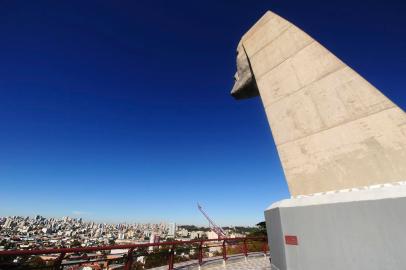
(243, 245)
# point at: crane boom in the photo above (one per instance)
(218, 230)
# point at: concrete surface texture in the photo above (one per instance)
(333, 129)
(351, 230)
(254, 261)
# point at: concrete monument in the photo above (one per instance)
(342, 145)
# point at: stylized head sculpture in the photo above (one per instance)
(245, 85)
(333, 130)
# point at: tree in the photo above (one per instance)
(137, 266)
(36, 262)
(111, 241)
(75, 243)
(262, 226)
(259, 230)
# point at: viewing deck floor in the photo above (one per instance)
(255, 261)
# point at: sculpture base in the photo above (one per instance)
(352, 230)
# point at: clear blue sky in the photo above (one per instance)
(120, 110)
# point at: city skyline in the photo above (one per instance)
(121, 111)
(207, 226)
(203, 224)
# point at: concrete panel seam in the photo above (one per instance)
(269, 42)
(256, 26)
(265, 73)
(303, 87)
(340, 124)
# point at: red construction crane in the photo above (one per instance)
(218, 230)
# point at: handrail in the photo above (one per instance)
(110, 247)
(133, 248)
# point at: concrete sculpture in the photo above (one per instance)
(342, 145)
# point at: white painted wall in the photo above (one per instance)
(352, 231)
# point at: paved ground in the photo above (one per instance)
(256, 261)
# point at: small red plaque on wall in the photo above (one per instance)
(291, 240)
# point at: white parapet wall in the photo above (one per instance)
(352, 230)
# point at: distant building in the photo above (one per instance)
(121, 236)
(8, 223)
(197, 234)
(212, 235)
(46, 230)
(183, 232)
(172, 229)
(154, 239)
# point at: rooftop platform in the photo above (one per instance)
(254, 261)
(235, 253)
